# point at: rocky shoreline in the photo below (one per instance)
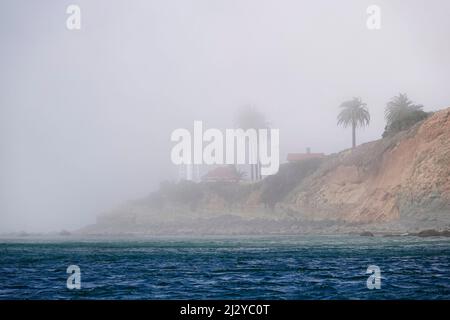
(395, 185)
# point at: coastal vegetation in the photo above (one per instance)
(276, 187)
(401, 113)
(354, 113)
(398, 184)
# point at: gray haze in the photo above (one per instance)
(86, 115)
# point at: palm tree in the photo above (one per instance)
(249, 117)
(399, 108)
(355, 113)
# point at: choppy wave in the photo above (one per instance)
(325, 267)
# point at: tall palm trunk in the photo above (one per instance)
(353, 135)
(256, 171)
(259, 170)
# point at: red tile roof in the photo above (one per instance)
(227, 173)
(302, 156)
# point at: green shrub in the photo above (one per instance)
(404, 123)
(278, 186)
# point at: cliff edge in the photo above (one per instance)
(395, 184)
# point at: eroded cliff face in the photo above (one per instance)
(399, 178)
(401, 183)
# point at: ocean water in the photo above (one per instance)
(290, 267)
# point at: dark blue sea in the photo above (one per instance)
(289, 267)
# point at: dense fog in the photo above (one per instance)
(86, 115)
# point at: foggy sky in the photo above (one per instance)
(86, 116)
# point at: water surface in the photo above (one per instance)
(288, 267)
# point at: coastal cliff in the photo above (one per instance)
(396, 184)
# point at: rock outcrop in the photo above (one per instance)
(398, 184)
(405, 178)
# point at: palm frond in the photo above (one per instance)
(400, 107)
(355, 112)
